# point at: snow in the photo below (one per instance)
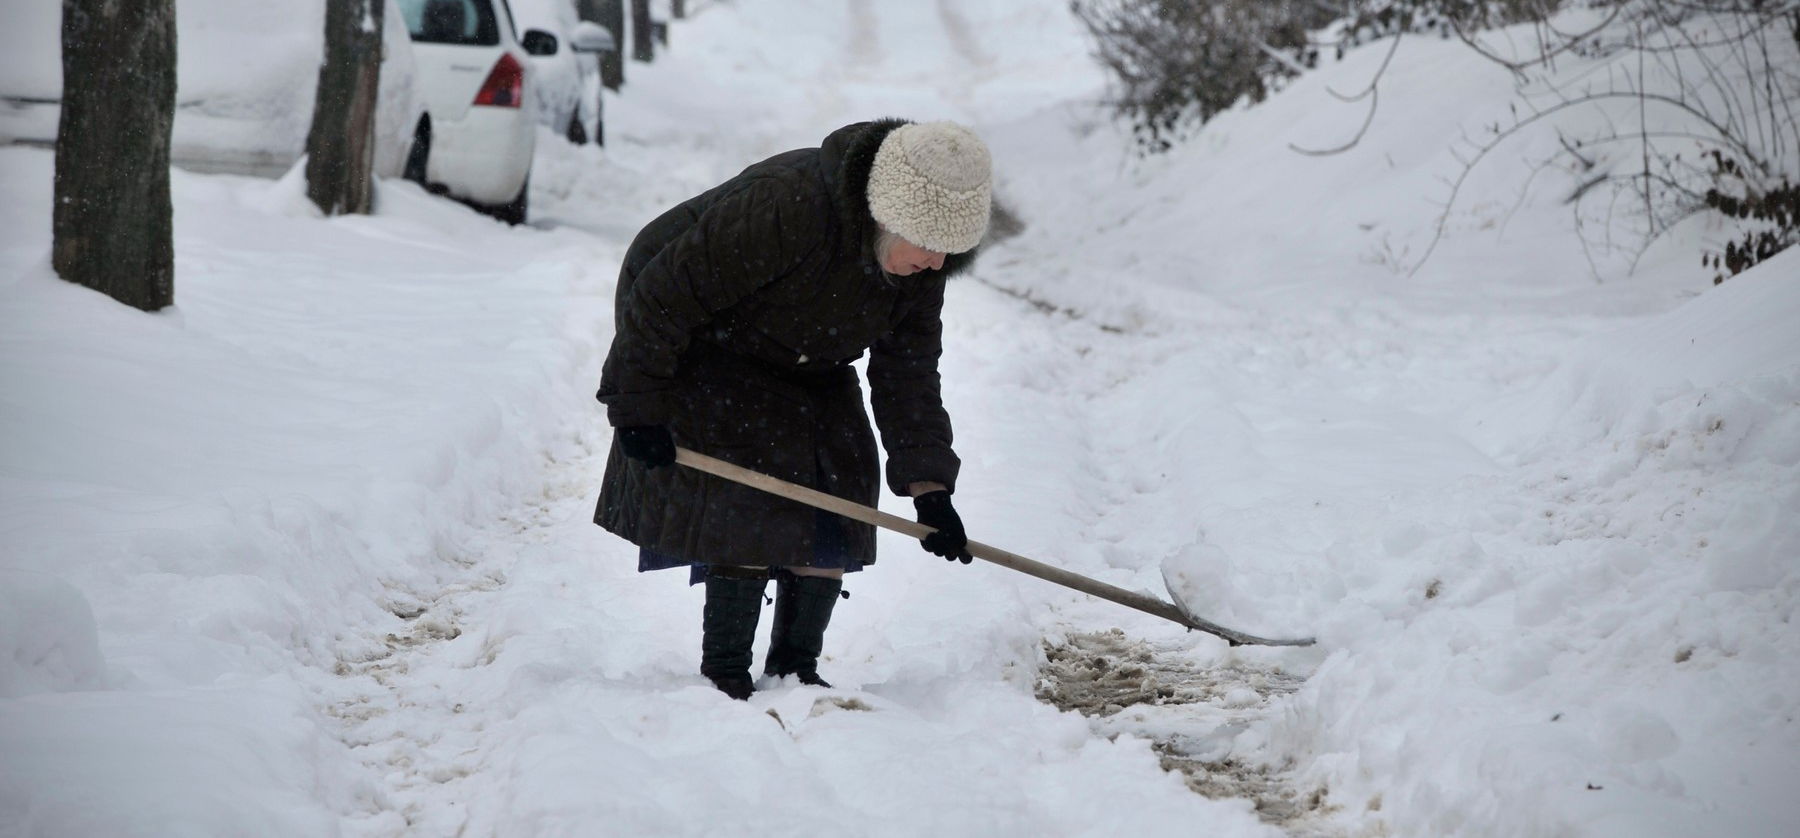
(310, 553)
(245, 76)
(49, 630)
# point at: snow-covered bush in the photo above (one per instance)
(1178, 63)
(1773, 216)
(1663, 109)
(1658, 110)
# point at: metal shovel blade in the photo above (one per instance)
(1174, 612)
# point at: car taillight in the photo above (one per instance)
(505, 85)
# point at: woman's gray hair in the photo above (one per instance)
(885, 240)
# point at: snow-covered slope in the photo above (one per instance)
(1603, 628)
(1551, 555)
(310, 553)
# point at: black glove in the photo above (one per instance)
(648, 444)
(936, 512)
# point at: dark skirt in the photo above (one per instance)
(830, 550)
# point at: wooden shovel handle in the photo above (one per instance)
(1003, 558)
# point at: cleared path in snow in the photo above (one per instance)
(499, 710)
(548, 687)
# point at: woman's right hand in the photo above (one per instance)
(648, 444)
(949, 541)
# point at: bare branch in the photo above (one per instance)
(1373, 94)
(1502, 136)
(1294, 66)
(1518, 67)
(1373, 80)
(1564, 140)
(1368, 118)
(1643, 128)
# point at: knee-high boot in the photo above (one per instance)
(802, 611)
(734, 598)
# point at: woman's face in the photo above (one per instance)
(903, 258)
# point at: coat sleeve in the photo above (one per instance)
(745, 240)
(904, 390)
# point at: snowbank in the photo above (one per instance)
(247, 758)
(1722, 365)
(47, 637)
(1599, 640)
(203, 505)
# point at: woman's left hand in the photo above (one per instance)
(649, 444)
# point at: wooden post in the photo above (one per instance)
(112, 225)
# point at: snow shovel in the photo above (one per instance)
(1173, 612)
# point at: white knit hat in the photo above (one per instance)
(932, 184)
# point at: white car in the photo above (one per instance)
(567, 67)
(480, 129)
(246, 75)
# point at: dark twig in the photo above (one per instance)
(1372, 92)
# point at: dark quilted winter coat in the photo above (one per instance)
(738, 313)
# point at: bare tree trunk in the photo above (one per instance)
(610, 14)
(340, 147)
(113, 223)
(643, 45)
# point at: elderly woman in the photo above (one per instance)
(738, 314)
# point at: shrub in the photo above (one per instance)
(1179, 62)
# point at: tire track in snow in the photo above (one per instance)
(863, 47)
(958, 32)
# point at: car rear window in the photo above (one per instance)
(468, 22)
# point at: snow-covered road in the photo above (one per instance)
(311, 553)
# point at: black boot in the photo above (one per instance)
(734, 598)
(802, 611)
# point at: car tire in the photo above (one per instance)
(577, 134)
(600, 119)
(418, 155)
(512, 212)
